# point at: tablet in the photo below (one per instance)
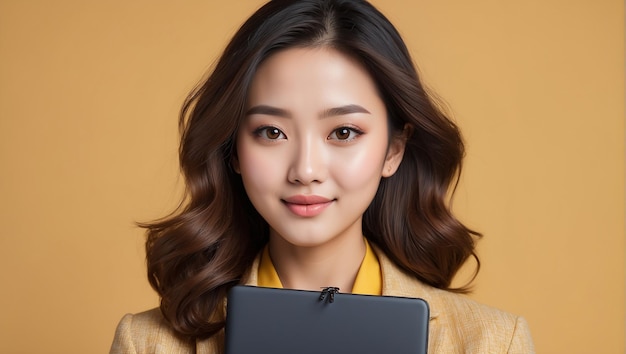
(281, 321)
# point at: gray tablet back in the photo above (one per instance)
(280, 321)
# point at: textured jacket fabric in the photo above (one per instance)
(457, 324)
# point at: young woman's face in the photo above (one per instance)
(314, 145)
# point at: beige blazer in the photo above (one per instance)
(457, 324)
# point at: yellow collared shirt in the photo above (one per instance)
(368, 280)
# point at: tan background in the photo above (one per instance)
(89, 94)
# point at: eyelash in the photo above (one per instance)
(351, 131)
(262, 132)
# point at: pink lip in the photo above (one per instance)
(307, 205)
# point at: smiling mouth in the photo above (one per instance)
(307, 206)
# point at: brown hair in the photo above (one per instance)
(197, 254)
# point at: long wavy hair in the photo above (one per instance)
(195, 255)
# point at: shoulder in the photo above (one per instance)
(461, 308)
(459, 324)
(148, 332)
(478, 328)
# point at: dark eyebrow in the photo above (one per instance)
(269, 111)
(343, 110)
(331, 112)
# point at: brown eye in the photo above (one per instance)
(344, 134)
(269, 133)
(272, 133)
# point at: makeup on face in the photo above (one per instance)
(313, 146)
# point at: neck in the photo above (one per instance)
(335, 263)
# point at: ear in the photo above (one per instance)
(395, 152)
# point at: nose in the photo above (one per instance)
(308, 162)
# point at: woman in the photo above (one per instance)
(314, 157)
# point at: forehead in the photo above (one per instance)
(298, 75)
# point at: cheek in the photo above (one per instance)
(258, 171)
(360, 170)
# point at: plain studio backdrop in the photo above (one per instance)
(89, 97)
